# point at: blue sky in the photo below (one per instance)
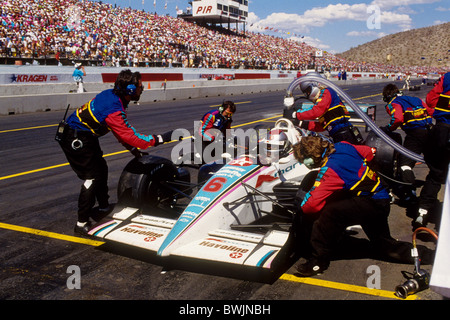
(334, 26)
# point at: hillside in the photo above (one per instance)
(427, 47)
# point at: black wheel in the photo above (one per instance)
(386, 157)
(143, 182)
(305, 186)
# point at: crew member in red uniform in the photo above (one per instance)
(414, 117)
(331, 113)
(437, 155)
(80, 143)
(346, 192)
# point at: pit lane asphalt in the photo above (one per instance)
(38, 204)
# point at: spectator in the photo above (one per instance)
(78, 75)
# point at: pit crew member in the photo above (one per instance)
(437, 155)
(215, 123)
(80, 144)
(414, 117)
(328, 108)
(346, 192)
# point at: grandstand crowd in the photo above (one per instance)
(111, 35)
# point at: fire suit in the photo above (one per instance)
(333, 117)
(438, 146)
(347, 192)
(414, 117)
(212, 123)
(106, 112)
(213, 120)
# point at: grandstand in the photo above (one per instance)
(100, 34)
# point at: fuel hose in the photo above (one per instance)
(311, 77)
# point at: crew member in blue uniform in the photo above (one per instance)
(437, 154)
(331, 113)
(80, 143)
(346, 192)
(413, 116)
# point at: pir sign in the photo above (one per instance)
(204, 8)
(225, 8)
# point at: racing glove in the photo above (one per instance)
(386, 129)
(304, 124)
(299, 123)
(162, 138)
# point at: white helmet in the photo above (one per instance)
(277, 145)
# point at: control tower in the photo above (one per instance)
(217, 12)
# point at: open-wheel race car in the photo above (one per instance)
(238, 212)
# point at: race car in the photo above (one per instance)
(239, 212)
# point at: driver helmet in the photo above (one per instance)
(277, 145)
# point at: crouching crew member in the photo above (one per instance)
(414, 117)
(80, 143)
(346, 192)
(215, 123)
(437, 155)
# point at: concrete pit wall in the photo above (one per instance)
(20, 96)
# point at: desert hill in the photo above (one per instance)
(427, 47)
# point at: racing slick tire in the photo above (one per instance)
(141, 182)
(305, 187)
(386, 158)
(290, 194)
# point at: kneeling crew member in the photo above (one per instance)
(216, 122)
(346, 192)
(80, 143)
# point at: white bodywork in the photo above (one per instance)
(203, 230)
